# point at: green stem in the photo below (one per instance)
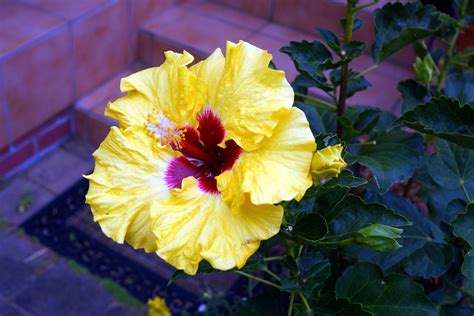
(273, 258)
(250, 288)
(366, 71)
(449, 53)
(258, 279)
(305, 302)
(317, 102)
(276, 277)
(371, 143)
(339, 243)
(341, 106)
(361, 7)
(292, 299)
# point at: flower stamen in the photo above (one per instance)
(164, 130)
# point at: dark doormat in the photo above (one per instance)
(66, 226)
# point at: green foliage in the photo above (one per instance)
(393, 157)
(445, 118)
(393, 294)
(397, 25)
(393, 233)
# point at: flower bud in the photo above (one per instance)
(379, 237)
(327, 163)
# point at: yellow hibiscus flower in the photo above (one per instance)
(200, 158)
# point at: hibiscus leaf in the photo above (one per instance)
(413, 94)
(445, 118)
(394, 294)
(467, 270)
(307, 229)
(345, 180)
(314, 269)
(329, 305)
(461, 87)
(392, 158)
(320, 120)
(330, 39)
(424, 252)
(352, 213)
(452, 168)
(464, 225)
(311, 59)
(398, 25)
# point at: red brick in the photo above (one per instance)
(80, 125)
(40, 82)
(54, 134)
(98, 128)
(66, 9)
(14, 159)
(102, 45)
(201, 33)
(261, 8)
(20, 24)
(160, 45)
(144, 48)
(142, 10)
(231, 16)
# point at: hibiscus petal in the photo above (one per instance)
(192, 225)
(171, 89)
(250, 95)
(129, 175)
(279, 170)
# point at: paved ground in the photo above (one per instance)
(33, 279)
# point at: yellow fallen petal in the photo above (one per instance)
(157, 307)
(192, 225)
(249, 94)
(278, 170)
(127, 178)
(327, 163)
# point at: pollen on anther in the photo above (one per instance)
(164, 130)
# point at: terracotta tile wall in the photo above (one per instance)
(56, 55)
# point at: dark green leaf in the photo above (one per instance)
(345, 180)
(320, 120)
(393, 158)
(461, 87)
(311, 59)
(290, 263)
(255, 264)
(314, 269)
(330, 39)
(324, 140)
(352, 213)
(445, 118)
(423, 253)
(464, 225)
(329, 305)
(468, 270)
(311, 227)
(354, 49)
(398, 25)
(452, 168)
(413, 94)
(291, 284)
(456, 310)
(394, 294)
